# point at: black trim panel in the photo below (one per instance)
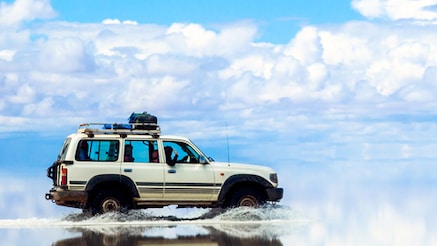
(194, 184)
(208, 191)
(159, 184)
(274, 194)
(96, 180)
(241, 178)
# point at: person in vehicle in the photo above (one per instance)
(155, 157)
(128, 153)
(83, 152)
(168, 151)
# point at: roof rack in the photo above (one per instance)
(117, 128)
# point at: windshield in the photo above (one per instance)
(202, 153)
(64, 149)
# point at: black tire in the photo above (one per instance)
(246, 196)
(109, 201)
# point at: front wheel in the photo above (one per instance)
(247, 197)
(109, 201)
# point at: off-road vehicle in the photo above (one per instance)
(115, 167)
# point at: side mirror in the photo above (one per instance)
(202, 160)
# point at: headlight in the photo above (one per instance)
(274, 177)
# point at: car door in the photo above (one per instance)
(140, 165)
(186, 180)
(93, 157)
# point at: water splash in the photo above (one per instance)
(264, 225)
(200, 215)
(166, 216)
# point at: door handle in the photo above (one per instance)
(128, 170)
(171, 171)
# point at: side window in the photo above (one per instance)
(97, 150)
(141, 151)
(64, 149)
(179, 152)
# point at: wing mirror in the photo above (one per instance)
(202, 160)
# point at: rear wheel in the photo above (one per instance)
(109, 201)
(246, 196)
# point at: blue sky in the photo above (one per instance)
(277, 19)
(340, 97)
(307, 81)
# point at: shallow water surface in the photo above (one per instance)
(240, 226)
(390, 203)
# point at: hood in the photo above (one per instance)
(244, 168)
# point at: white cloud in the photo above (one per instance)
(42, 108)
(306, 46)
(24, 94)
(130, 22)
(397, 9)
(111, 21)
(358, 94)
(117, 22)
(345, 49)
(338, 78)
(175, 66)
(25, 10)
(7, 54)
(193, 38)
(97, 63)
(63, 56)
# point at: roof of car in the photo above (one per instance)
(108, 130)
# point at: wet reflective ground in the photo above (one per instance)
(338, 204)
(241, 226)
(386, 224)
(138, 236)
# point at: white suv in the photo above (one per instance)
(116, 167)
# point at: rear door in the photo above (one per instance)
(140, 164)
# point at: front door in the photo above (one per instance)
(185, 178)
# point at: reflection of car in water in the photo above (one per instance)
(117, 167)
(135, 236)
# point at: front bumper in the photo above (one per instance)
(274, 194)
(76, 199)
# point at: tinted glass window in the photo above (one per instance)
(97, 150)
(185, 153)
(64, 149)
(141, 151)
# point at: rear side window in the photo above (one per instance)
(97, 150)
(64, 149)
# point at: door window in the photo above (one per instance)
(180, 152)
(141, 151)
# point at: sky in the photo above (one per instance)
(275, 20)
(305, 81)
(340, 97)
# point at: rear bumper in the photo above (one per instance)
(274, 194)
(75, 199)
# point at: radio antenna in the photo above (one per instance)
(226, 121)
(227, 140)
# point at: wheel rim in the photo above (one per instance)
(111, 205)
(248, 201)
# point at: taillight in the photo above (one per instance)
(64, 176)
